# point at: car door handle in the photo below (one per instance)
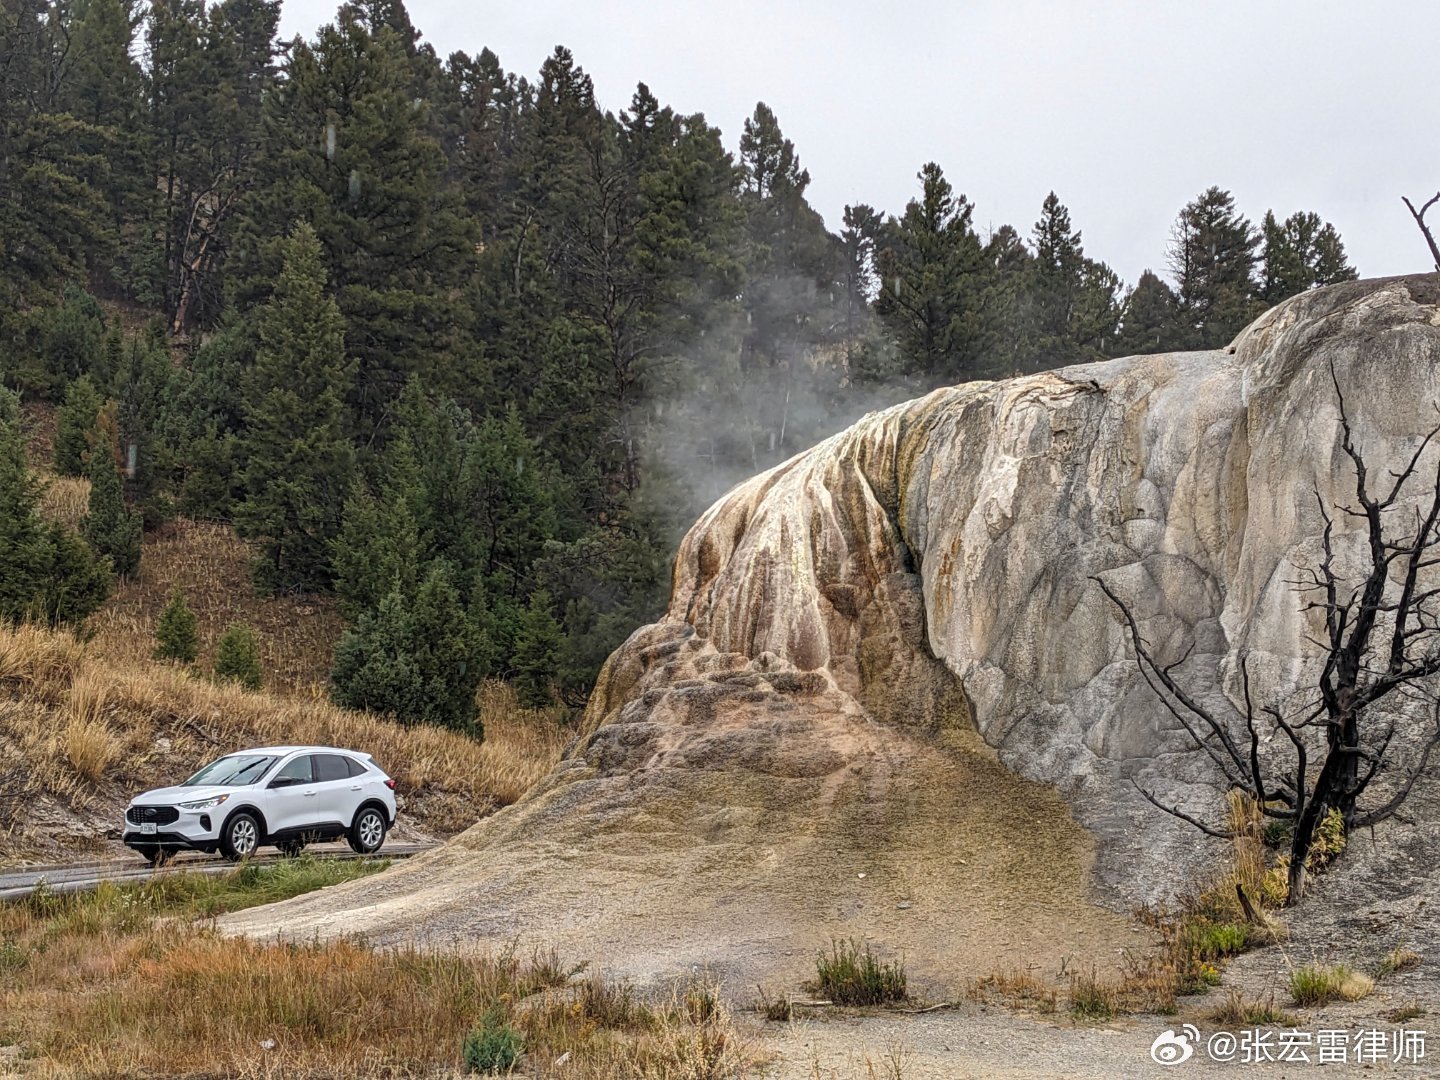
(310, 794)
(354, 787)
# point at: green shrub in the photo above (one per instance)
(492, 1047)
(413, 658)
(237, 657)
(177, 634)
(1213, 941)
(850, 974)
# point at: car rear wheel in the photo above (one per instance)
(367, 832)
(240, 837)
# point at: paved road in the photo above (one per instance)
(81, 877)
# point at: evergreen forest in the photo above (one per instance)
(467, 349)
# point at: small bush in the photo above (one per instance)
(493, 1047)
(852, 975)
(1316, 984)
(237, 657)
(177, 633)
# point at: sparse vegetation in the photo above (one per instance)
(1317, 984)
(851, 974)
(1015, 989)
(90, 977)
(1403, 1014)
(777, 1009)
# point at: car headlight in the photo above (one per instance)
(204, 804)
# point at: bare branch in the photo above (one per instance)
(1419, 216)
(1235, 769)
(1175, 811)
(1380, 813)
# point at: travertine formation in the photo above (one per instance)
(839, 623)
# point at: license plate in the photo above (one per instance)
(147, 828)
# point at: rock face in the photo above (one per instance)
(840, 623)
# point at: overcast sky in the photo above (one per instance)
(1126, 110)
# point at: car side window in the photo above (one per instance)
(330, 767)
(298, 771)
(356, 769)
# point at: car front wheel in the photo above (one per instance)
(240, 838)
(367, 832)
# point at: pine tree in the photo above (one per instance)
(1212, 258)
(110, 528)
(538, 643)
(1074, 301)
(347, 146)
(932, 282)
(1150, 322)
(141, 386)
(298, 459)
(237, 657)
(378, 548)
(1300, 254)
(446, 654)
(375, 666)
(177, 634)
(74, 424)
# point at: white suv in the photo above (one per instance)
(283, 795)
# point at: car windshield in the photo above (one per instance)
(232, 771)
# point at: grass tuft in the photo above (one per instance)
(1092, 998)
(1316, 984)
(1403, 1014)
(1238, 1012)
(851, 974)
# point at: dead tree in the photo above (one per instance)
(1382, 638)
(1419, 216)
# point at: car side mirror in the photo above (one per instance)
(281, 781)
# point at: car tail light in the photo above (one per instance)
(390, 784)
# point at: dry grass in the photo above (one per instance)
(78, 727)
(1401, 958)
(1238, 1011)
(211, 566)
(65, 500)
(1015, 989)
(86, 983)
